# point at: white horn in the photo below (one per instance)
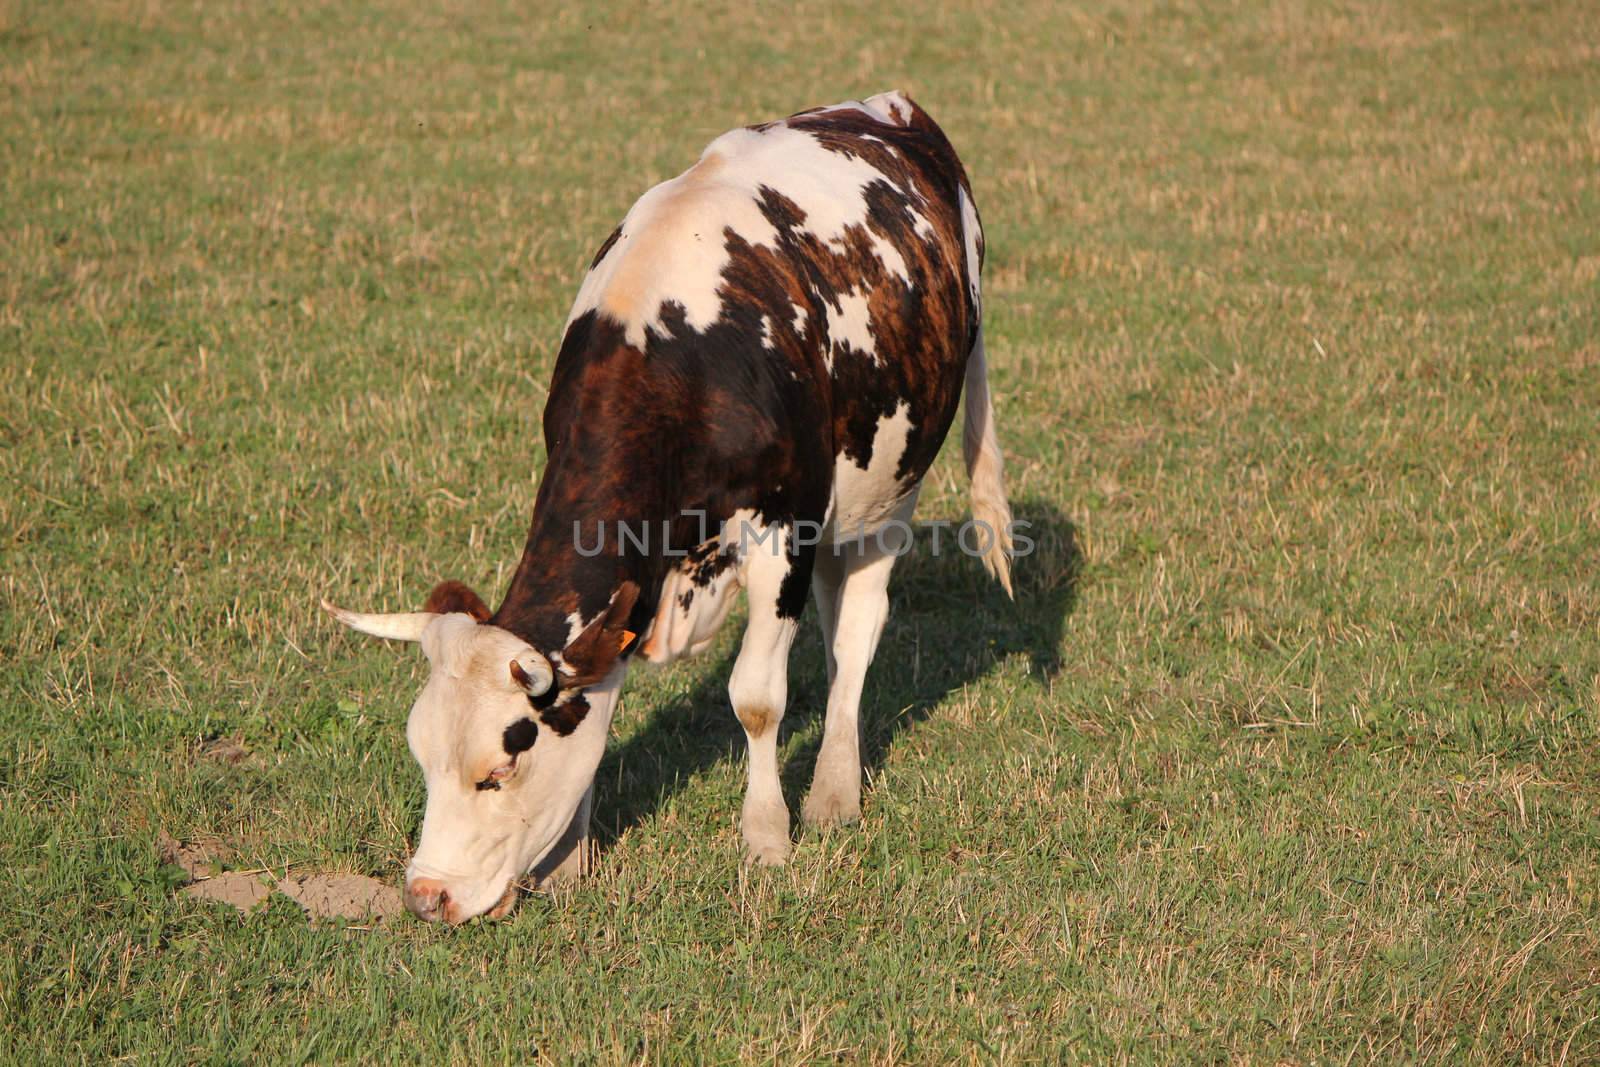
(400, 626)
(532, 672)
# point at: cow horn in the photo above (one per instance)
(532, 672)
(400, 626)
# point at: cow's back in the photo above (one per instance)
(834, 256)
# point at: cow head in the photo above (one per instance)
(508, 737)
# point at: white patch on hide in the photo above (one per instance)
(576, 624)
(850, 326)
(677, 630)
(866, 497)
(671, 248)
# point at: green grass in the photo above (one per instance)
(1289, 749)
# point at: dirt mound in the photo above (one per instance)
(242, 889)
(342, 896)
(323, 896)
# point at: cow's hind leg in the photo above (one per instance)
(827, 579)
(758, 690)
(851, 584)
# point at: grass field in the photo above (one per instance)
(1288, 751)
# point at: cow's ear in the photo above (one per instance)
(455, 596)
(591, 655)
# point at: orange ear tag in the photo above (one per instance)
(627, 639)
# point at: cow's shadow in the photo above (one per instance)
(950, 625)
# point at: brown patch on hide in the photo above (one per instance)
(592, 653)
(756, 720)
(565, 714)
(453, 596)
(605, 246)
(707, 561)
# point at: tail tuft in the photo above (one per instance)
(986, 468)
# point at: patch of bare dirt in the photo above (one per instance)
(242, 889)
(342, 896)
(323, 896)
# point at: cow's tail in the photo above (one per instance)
(986, 467)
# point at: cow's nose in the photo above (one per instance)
(427, 899)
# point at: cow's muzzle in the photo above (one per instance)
(430, 900)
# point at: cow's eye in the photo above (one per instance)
(495, 777)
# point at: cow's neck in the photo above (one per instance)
(570, 566)
(605, 466)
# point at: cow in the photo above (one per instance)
(759, 368)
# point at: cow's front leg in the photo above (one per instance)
(758, 690)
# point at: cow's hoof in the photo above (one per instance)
(766, 834)
(769, 854)
(831, 807)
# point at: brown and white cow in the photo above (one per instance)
(759, 369)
